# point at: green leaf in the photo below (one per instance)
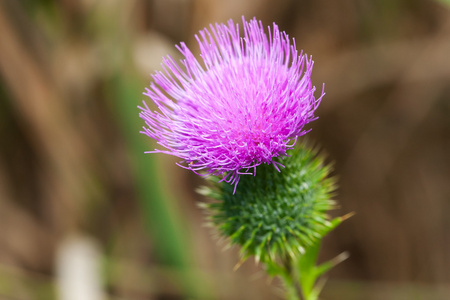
(326, 266)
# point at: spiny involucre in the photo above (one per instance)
(244, 103)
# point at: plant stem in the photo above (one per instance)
(291, 278)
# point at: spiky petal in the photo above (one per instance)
(243, 104)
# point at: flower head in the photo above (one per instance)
(243, 104)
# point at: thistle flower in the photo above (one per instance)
(243, 104)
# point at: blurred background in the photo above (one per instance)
(79, 196)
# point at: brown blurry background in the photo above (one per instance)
(72, 168)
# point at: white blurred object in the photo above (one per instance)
(78, 269)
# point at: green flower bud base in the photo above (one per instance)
(276, 214)
(278, 217)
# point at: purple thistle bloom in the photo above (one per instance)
(245, 103)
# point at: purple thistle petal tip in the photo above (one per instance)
(244, 103)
